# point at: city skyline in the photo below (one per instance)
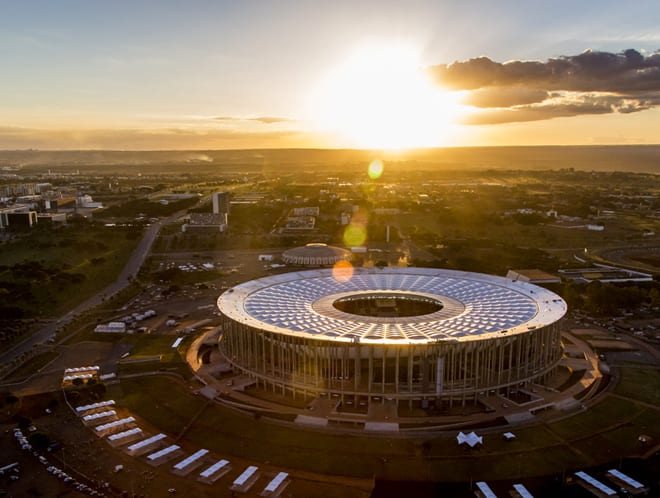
(205, 75)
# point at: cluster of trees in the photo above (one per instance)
(23, 284)
(11, 328)
(608, 299)
(92, 389)
(9, 401)
(488, 257)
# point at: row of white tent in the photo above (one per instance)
(588, 482)
(123, 433)
(619, 478)
(89, 369)
(483, 491)
(82, 373)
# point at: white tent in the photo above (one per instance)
(470, 439)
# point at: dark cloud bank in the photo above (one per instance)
(589, 83)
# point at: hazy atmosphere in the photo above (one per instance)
(206, 75)
(347, 249)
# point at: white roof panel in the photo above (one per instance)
(485, 490)
(596, 484)
(247, 473)
(163, 452)
(275, 483)
(522, 491)
(220, 464)
(625, 478)
(473, 305)
(146, 442)
(191, 459)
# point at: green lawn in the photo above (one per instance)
(640, 383)
(606, 431)
(170, 407)
(51, 270)
(606, 413)
(33, 364)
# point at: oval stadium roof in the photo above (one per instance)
(474, 306)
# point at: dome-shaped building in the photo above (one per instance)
(315, 254)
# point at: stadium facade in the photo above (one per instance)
(393, 333)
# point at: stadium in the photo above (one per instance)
(403, 334)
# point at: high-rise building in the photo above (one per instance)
(221, 203)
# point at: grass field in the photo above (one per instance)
(57, 269)
(610, 412)
(571, 443)
(640, 383)
(33, 365)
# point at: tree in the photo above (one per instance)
(572, 295)
(23, 422)
(39, 441)
(98, 389)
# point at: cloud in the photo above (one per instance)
(589, 83)
(259, 119)
(143, 139)
(505, 97)
(563, 104)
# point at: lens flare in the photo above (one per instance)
(355, 234)
(342, 271)
(375, 169)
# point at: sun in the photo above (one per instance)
(381, 98)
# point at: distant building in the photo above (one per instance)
(605, 273)
(32, 201)
(298, 223)
(315, 255)
(111, 328)
(86, 201)
(43, 187)
(306, 211)
(52, 218)
(249, 198)
(221, 203)
(206, 221)
(533, 276)
(5, 218)
(387, 211)
(18, 219)
(60, 203)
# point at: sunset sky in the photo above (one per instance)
(292, 73)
